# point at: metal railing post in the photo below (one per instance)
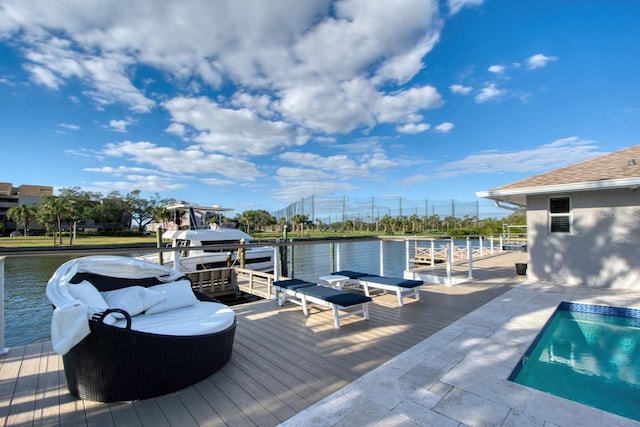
(470, 256)
(406, 256)
(3, 350)
(433, 253)
(449, 261)
(276, 263)
(176, 260)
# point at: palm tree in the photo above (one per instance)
(22, 215)
(162, 215)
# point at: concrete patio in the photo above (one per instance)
(459, 375)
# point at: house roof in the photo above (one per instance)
(619, 169)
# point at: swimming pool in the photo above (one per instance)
(589, 354)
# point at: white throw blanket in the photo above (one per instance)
(69, 326)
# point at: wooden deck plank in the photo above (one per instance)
(48, 394)
(9, 371)
(226, 409)
(200, 408)
(270, 382)
(22, 404)
(251, 407)
(175, 410)
(151, 413)
(256, 388)
(123, 413)
(282, 362)
(98, 414)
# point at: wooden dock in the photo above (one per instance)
(282, 362)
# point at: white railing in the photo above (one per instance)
(445, 250)
(3, 350)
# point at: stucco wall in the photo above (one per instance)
(603, 249)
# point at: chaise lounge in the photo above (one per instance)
(402, 287)
(302, 292)
(129, 329)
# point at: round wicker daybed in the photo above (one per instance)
(122, 355)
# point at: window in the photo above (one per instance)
(560, 215)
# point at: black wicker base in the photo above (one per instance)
(114, 364)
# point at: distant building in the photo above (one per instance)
(583, 221)
(27, 195)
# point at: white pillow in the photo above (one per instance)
(88, 294)
(133, 299)
(178, 294)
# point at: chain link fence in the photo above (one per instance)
(329, 210)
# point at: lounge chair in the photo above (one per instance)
(402, 287)
(128, 329)
(302, 293)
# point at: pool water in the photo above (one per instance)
(589, 354)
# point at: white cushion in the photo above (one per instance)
(88, 294)
(133, 299)
(177, 294)
(199, 319)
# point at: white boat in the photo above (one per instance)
(195, 255)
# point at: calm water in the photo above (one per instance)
(28, 311)
(589, 358)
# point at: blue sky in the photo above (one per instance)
(254, 104)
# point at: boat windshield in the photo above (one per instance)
(220, 242)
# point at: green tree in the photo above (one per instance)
(516, 218)
(141, 210)
(255, 220)
(161, 215)
(51, 211)
(299, 220)
(113, 211)
(78, 207)
(22, 215)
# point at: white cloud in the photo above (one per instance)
(456, 5)
(338, 164)
(239, 79)
(539, 60)
(146, 183)
(489, 92)
(556, 154)
(405, 105)
(189, 161)
(120, 125)
(229, 131)
(413, 128)
(301, 182)
(414, 179)
(444, 127)
(177, 129)
(463, 90)
(497, 69)
(69, 126)
(304, 59)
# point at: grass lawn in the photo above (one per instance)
(43, 241)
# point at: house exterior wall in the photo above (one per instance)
(603, 249)
(28, 195)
